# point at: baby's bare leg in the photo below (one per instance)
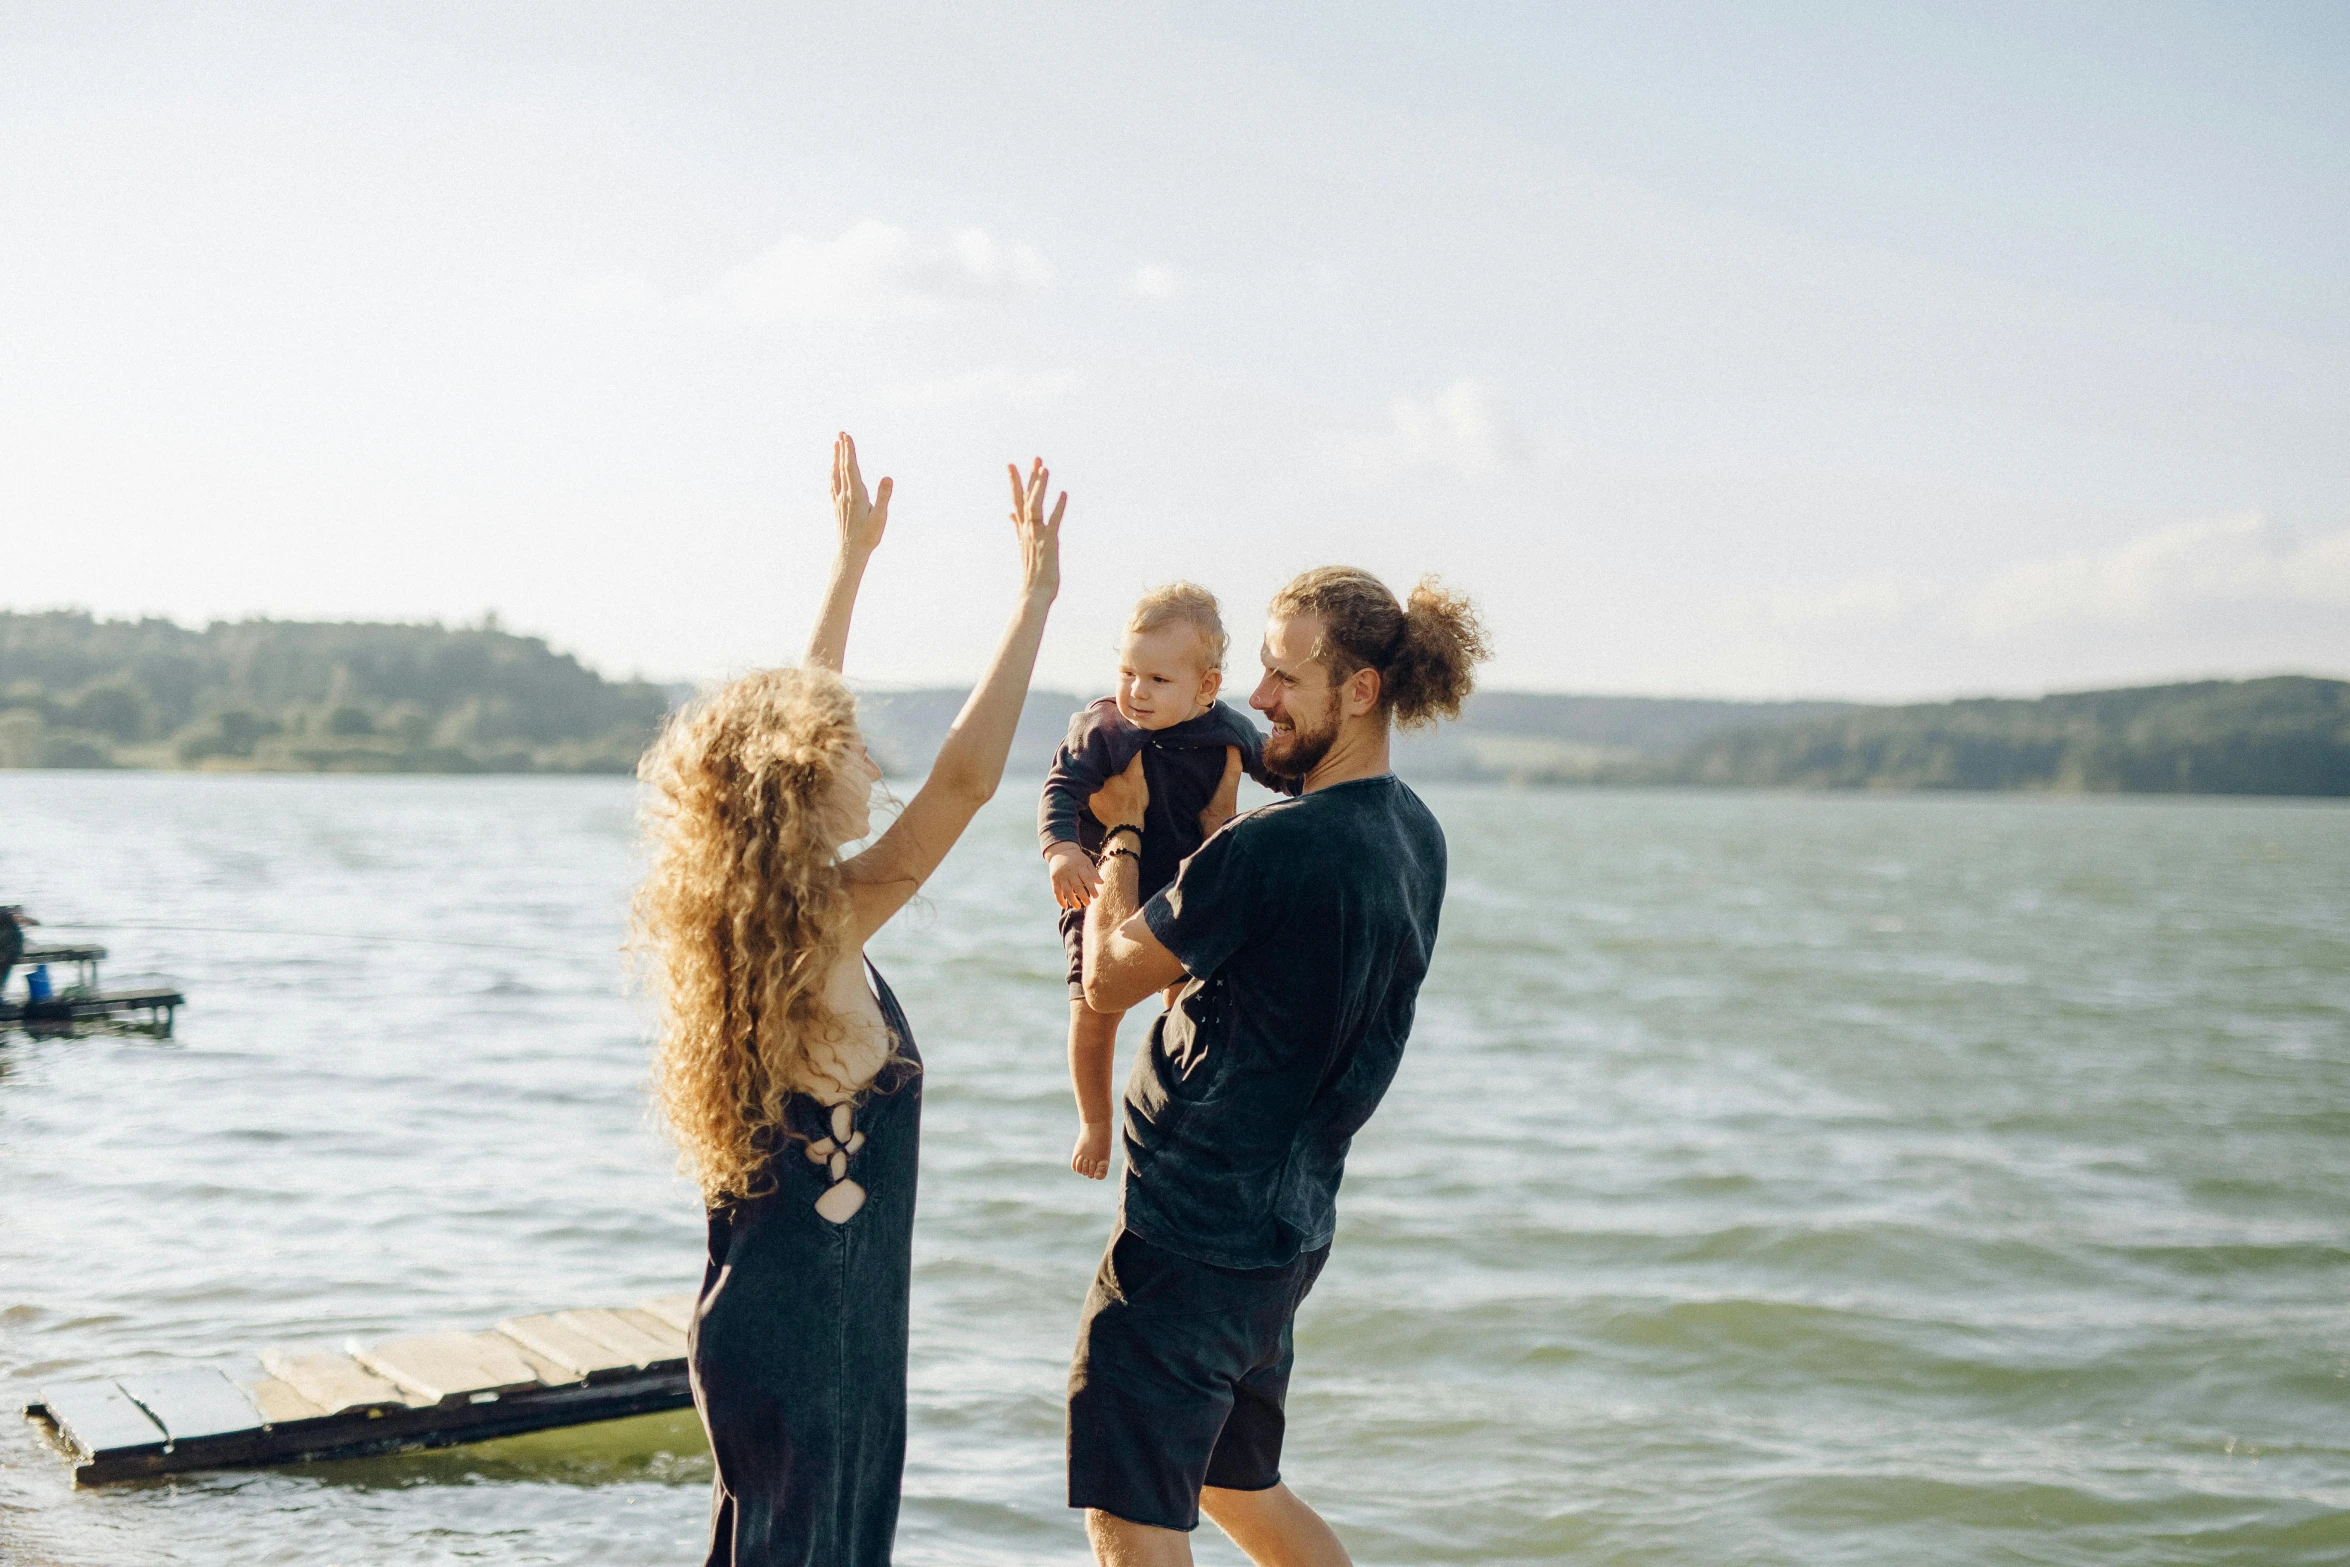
(1093, 1043)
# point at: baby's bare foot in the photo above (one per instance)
(1091, 1157)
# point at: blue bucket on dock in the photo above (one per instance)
(36, 983)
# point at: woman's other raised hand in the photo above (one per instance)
(861, 517)
(970, 764)
(1039, 535)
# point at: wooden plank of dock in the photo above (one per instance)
(430, 1390)
(104, 1417)
(446, 1366)
(191, 1404)
(334, 1384)
(158, 1004)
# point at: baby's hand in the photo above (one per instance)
(1091, 1157)
(1075, 880)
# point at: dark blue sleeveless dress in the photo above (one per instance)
(799, 1339)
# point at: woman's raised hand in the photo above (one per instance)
(1040, 536)
(862, 518)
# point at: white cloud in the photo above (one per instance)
(1155, 282)
(2172, 577)
(2187, 600)
(1463, 430)
(982, 258)
(618, 293)
(2186, 566)
(875, 269)
(999, 384)
(1878, 599)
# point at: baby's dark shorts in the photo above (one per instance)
(1073, 943)
(1179, 1378)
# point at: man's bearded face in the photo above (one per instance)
(1298, 697)
(1294, 750)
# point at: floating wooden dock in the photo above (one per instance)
(561, 1368)
(149, 1010)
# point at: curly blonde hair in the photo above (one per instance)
(742, 914)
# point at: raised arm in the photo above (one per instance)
(862, 519)
(971, 763)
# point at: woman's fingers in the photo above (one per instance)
(1028, 495)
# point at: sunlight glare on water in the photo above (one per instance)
(1771, 1178)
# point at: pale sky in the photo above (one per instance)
(1809, 349)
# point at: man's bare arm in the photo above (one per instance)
(1124, 962)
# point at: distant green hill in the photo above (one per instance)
(2289, 735)
(1531, 737)
(303, 696)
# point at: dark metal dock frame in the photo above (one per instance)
(437, 1390)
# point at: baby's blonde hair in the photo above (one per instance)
(1184, 604)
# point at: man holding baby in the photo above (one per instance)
(1292, 942)
(1299, 934)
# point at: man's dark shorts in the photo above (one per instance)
(1073, 943)
(1180, 1374)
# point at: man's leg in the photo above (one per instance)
(1274, 1526)
(1119, 1543)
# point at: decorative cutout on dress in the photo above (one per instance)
(841, 1200)
(840, 1203)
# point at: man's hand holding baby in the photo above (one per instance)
(1225, 803)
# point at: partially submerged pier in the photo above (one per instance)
(147, 1009)
(559, 1368)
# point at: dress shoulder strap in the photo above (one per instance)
(891, 1013)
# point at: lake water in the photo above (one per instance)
(1771, 1179)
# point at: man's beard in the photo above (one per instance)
(1296, 752)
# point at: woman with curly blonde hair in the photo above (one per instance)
(786, 1070)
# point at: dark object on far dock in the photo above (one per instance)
(562, 1368)
(145, 1010)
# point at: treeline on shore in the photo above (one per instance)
(2284, 735)
(2288, 735)
(358, 697)
(301, 696)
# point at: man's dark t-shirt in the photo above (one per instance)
(1306, 927)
